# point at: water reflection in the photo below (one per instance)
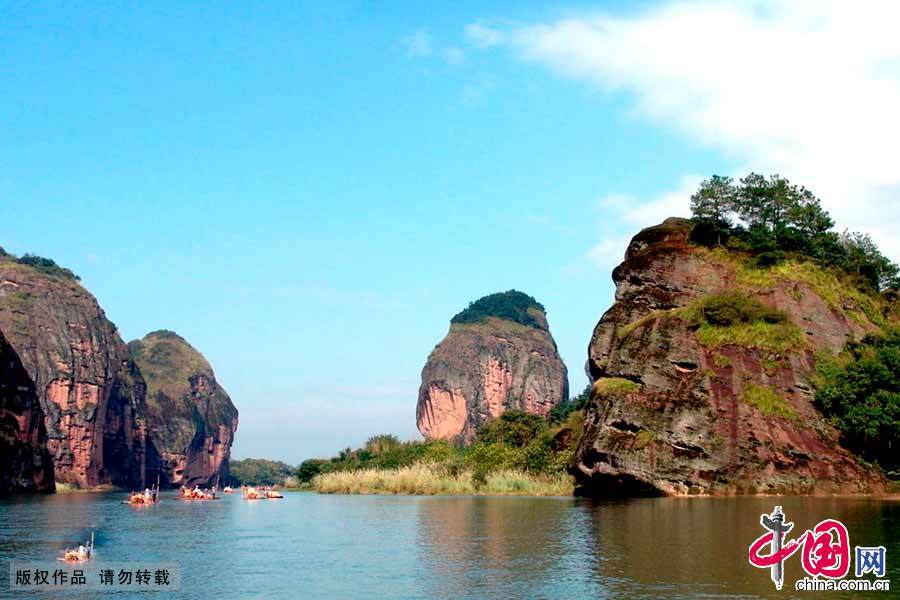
(512, 547)
(412, 547)
(698, 547)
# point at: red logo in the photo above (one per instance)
(825, 548)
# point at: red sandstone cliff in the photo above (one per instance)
(191, 419)
(25, 463)
(487, 365)
(90, 392)
(682, 407)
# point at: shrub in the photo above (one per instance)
(732, 308)
(561, 411)
(48, 266)
(769, 259)
(737, 319)
(259, 471)
(860, 393)
(489, 457)
(514, 427)
(310, 468)
(380, 443)
(512, 306)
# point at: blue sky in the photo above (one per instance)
(308, 194)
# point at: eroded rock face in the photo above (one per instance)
(90, 392)
(25, 463)
(191, 419)
(670, 415)
(484, 368)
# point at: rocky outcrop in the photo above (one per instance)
(191, 420)
(90, 392)
(498, 355)
(25, 463)
(687, 401)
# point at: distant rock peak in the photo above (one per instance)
(489, 362)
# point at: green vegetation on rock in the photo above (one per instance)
(731, 319)
(768, 401)
(721, 361)
(614, 386)
(774, 219)
(44, 265)
(512, 305)
(860, 393)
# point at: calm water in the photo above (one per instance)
(308, 545)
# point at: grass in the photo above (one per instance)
(768, 401)
(732, 319)
(430, 479)
(607, 386)
(833, 286)
(721, 361)
(778, 337)
(643, 438)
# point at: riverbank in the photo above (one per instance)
(430, 480)
(68, 488)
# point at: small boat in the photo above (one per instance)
(251, 493)
(145, 498)
(82, 553)
(273, 494)
(197, 494)
(228, 490)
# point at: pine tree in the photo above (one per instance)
(713, 204)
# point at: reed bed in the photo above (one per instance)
(429, 480)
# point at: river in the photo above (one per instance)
(314, 546)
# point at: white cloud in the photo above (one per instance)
(631, 214)
(609, 252)
(639, 213)
(483, 36)
(453, 55)
(418, 44)
(809, 90)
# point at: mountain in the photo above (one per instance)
(25, 463)
(191, 419)
(498, 355)
(90, 392)
(703, 374)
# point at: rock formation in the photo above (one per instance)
(25, 463)
(191, 420)
(690, 398)
(498, 355)
(90, 392)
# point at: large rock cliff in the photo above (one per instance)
(90, 391)
(191, 420)
(703, 369)
(498, 355)
(25, 463)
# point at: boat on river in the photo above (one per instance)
(82, 553)
(147, 497)
(251, 493)
(197, 494)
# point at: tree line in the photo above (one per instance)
(771, 217)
